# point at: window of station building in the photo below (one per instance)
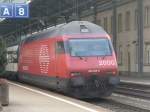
(127, 21)
(136, 19)
(148, 53)
(98, 22)
(146, 16)
(111, 24)
(120, 23)
(106, 23)
(12, 57)
(136, 53)
(148, 57)
(120, 55)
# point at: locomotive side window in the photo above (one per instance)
(60, 47)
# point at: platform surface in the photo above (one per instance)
(28, 99)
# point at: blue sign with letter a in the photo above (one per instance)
(6, 11)
(21, 10)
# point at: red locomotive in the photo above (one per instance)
(75, 58)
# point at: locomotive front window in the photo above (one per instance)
(90, 47)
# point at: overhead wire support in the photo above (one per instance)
(75, 13)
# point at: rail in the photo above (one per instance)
(134, 90)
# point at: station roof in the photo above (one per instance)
(45, 12)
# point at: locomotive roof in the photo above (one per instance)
(71, 28)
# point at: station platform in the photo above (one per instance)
(142, 80)
(24, 98)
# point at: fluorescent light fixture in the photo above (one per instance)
(28, 1)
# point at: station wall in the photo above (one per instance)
(127, 35)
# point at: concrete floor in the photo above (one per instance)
(24, 100)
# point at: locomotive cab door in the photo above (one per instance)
(60, 62)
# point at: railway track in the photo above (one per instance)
(134, 90)
(117, 105)
(128, 97)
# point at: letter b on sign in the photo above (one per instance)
(21, 11)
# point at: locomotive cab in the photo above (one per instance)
(90, 62)
(91, 55)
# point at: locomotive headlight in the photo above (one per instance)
(111, 72)
(73, 74)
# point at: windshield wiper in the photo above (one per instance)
(104, 56)
(82, 58)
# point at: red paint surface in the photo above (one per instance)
(40, 58)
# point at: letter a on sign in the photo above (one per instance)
(6, 12)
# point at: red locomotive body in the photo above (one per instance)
(75, 58)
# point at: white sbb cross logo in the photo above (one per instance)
(44, 59)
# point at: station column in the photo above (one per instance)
(140, 35)
(114, 27)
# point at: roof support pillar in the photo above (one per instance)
(114, 26)
(140, 36)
